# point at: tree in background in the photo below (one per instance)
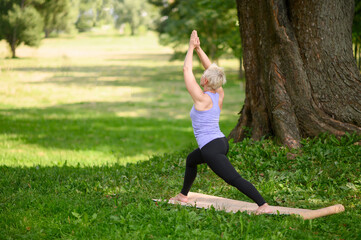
(356, 33)
(20, 23)
(93, 13)
(57, 16)
(215, 20)
(86, 16)
(104, 12)
(136, 13)
(301, 76)
(233, 40)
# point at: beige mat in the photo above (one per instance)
(206, 201)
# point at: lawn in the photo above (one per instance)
(95, 99)
(93, 127)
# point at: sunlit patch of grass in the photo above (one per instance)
(98, 94)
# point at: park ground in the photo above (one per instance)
(94, 126)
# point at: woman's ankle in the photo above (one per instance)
(180, 197)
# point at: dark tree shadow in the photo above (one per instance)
(93, 126)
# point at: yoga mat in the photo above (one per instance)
(200, 200)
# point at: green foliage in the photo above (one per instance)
(58, 16)
(139, 15)
(112, 201)
(136, 14)
(216, 22)
(93, 13)
(356, 26)
(356, 33)
(20, 24)
(85, 23)
(87, 15)
(104, 10)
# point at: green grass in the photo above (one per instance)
(98, 99)
(114, 201)
(77, 115)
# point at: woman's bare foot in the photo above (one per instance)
(180, 198)
(265, 208)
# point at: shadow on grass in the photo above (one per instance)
(136, 57)
(113, 200)
(78, 127)
(117, 75)
(95, 127)
(153, 122)
(108, 75)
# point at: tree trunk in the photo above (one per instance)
(13, 50)
(301, 76)
(47, 32)
(132, 29)
(13, 43)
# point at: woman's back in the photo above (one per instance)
(206, 123)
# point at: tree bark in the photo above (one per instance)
(301, 76)
(13, 43)
(13, 50)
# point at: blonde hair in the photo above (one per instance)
(215, 76)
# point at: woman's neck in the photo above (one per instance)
(206, 89)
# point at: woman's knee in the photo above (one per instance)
(193, 159)
(221, 165)
(190, 162)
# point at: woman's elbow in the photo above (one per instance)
(186, 69)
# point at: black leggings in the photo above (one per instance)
(214, 154)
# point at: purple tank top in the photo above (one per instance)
(206, 123)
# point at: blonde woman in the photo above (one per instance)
(212, 144)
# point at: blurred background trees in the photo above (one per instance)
(137, 15)
(93, 13)
(58, 16)
(28, 21)
(216, 22)
(20, 23)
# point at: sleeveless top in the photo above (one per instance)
(206, 123)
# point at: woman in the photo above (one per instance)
(213, 145)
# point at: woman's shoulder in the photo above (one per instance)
(205, 103)
(220, 91)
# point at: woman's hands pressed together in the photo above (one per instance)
(194, 40)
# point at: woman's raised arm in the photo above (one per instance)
(203, 57)
(191, 84)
